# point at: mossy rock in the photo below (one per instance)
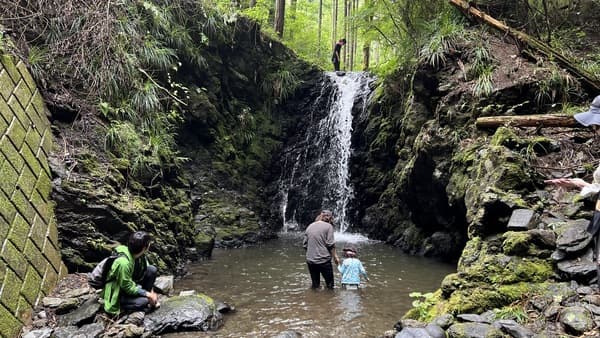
(228, 223)
(488, 178)
(540, 145)
(486, 297)
(518, 243)
(481, 262)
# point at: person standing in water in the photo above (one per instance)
(335, 58)
(319, 244)
(351, 269)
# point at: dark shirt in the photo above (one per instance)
(336, 50)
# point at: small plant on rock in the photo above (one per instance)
(422, 305)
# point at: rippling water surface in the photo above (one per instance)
(270, 287)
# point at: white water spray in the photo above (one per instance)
(319, 168)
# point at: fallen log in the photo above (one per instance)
(540, 120)
(588, 80)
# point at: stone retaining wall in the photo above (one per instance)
(30, 262)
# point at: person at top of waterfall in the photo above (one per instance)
(588, 118)
(319, 244)
(351, 268)
(122, 291)
(335, 58)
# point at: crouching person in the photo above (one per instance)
(130, 279)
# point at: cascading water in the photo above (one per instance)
(315, 171)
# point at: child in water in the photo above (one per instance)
(351, 269)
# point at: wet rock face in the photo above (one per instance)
(92, 217)
(232, 130)
(400, 170)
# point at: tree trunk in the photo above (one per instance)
(367, 43)
(588, 80)
(334, 18)
(366, 55)
(542, 120)
(320, 28)
(279, 17)
(345, 50)
(293, 7)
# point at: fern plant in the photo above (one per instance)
(281, 84)
(555, 85)
(482, 70)
(445, 34)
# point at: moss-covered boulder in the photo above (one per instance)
(487, 177)
(184, 313)
(230, 224)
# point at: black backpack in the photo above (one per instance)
(97, 278)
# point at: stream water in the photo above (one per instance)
(269, 286)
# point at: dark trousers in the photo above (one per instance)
(316, 270)
(138, 303)
(336, 64)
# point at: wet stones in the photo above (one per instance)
(575, 238)
(576, 319)
(83, 314)
(84, 317)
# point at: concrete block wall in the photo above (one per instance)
(30, 262)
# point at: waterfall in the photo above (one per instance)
(315, 172)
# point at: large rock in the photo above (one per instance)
(579, 268)
(575, 238)
(82, 315)
(429, 331)
(184, 313)
(576, 319)
(513, 328)
(473, 330)
(87, 331)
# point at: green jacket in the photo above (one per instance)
(120, 279)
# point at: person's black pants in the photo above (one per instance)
(138, 303)
(336, 64)
(316, 270)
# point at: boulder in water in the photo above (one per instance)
(184, 313)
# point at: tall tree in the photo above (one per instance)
(367, 43)
(320, 29)
(293, 8)
(345, 52)
(279, 17)
(334, 22)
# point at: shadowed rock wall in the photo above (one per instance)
(30, 262)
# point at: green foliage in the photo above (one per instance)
(37, 59)
(423, 303)
(483, 84)
(123, 60)
(555, 85)
(514, 312)
(444, 34)
(280, 84)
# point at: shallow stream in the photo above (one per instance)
(269, 286)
